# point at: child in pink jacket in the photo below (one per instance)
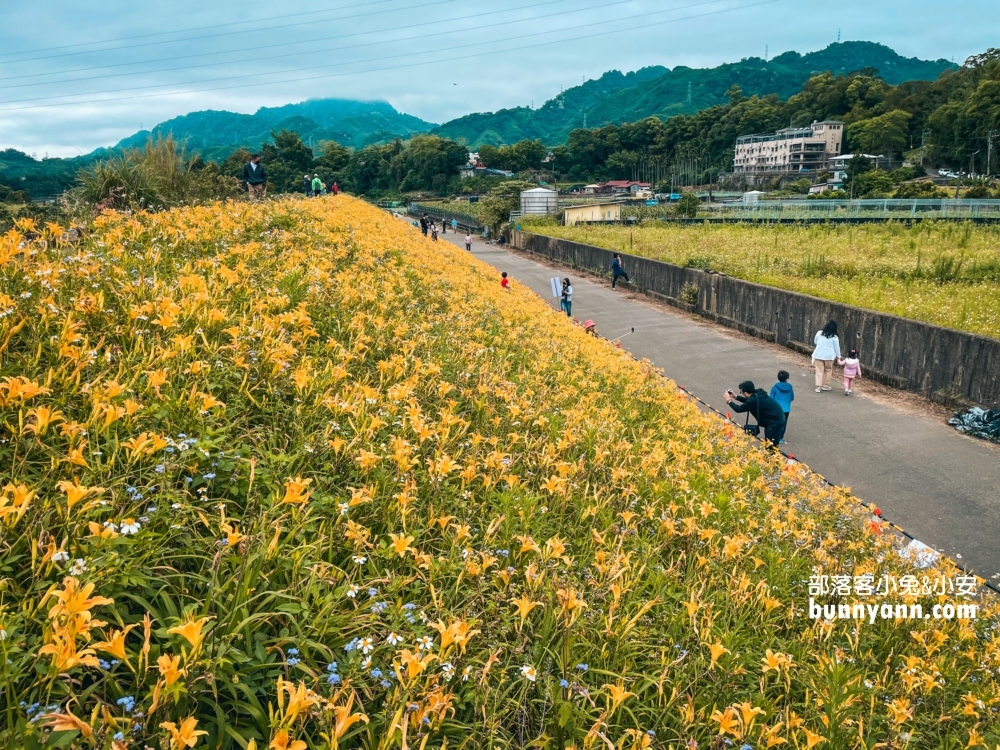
(852, 369)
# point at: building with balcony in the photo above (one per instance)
(789, 150)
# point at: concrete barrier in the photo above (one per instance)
(947, 366)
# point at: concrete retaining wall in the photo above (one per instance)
(947, 366)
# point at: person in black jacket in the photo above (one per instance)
(255, 178)
(764, 409)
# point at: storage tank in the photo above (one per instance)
(539, 200)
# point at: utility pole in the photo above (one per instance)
(989, 152)
(923, 143)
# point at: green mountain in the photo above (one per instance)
(552, 121)
(215, 134)
(660, 92)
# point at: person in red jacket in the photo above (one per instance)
(504, 281)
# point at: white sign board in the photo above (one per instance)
(556, 287)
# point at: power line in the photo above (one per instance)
(231, 33)
(180, 31)
(290, 44)
(375, 59)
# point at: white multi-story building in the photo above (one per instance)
(790, 149)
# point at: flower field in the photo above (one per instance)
(289, 476)
(944, 273)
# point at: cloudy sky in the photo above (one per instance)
(83, 74)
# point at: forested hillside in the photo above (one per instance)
(660, 92)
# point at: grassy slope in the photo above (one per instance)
(322, 437)
(890, 268)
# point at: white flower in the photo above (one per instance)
(426, 643)
(367, 645)
(130, 526)
(60, 556)
(448, 670)
(366, 662)
(360, 559)
(344, 507)
(528, 672)
(466, 673)
(393, 639)
(79, 567)
(352, 591)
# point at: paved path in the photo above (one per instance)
(941, 487)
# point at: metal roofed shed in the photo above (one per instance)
(539, 200)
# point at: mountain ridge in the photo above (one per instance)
(350, 122)
(684, 90)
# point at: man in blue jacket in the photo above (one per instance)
(784, 394)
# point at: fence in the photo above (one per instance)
(947, 366)
(466, 222)
(883, 208)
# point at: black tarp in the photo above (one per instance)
(981, 423)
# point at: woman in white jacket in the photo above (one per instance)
(827, 350)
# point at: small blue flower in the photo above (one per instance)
(409, 605)
(292, 661)
(160, 468)
(103, 664)
(210, 475)
(188, 480)
(293, 652)
(333, 679)
(127, 702)
(331, 667)
(746, 747)
(386, 684)
(376, 673)
(563, 683)
(583, 667)
(372, 592)
(119, 736)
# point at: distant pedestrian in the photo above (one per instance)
(504, 281)
(826, 352)
(335, 189)
(255, 178)
(566, 300)
(852, 370)
(306, 185)
(423, 225)
(444, 227)
(317, 185)
(764, 409)
(784, 394)
(617, 271)
(454, 225)
(434, 232)
(468, 242)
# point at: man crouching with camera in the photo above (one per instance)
(764, 409)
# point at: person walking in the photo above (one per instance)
(764, 409)
(423, 225)
(468, 242)
(306, 185)
(454, 226)
(255, 178)
(335, 190)
(444, 227)
(317, 185)
(784, 394)
(566, 301)
(852, 370)
(617, 271)
(434, 232)
(826, 352)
